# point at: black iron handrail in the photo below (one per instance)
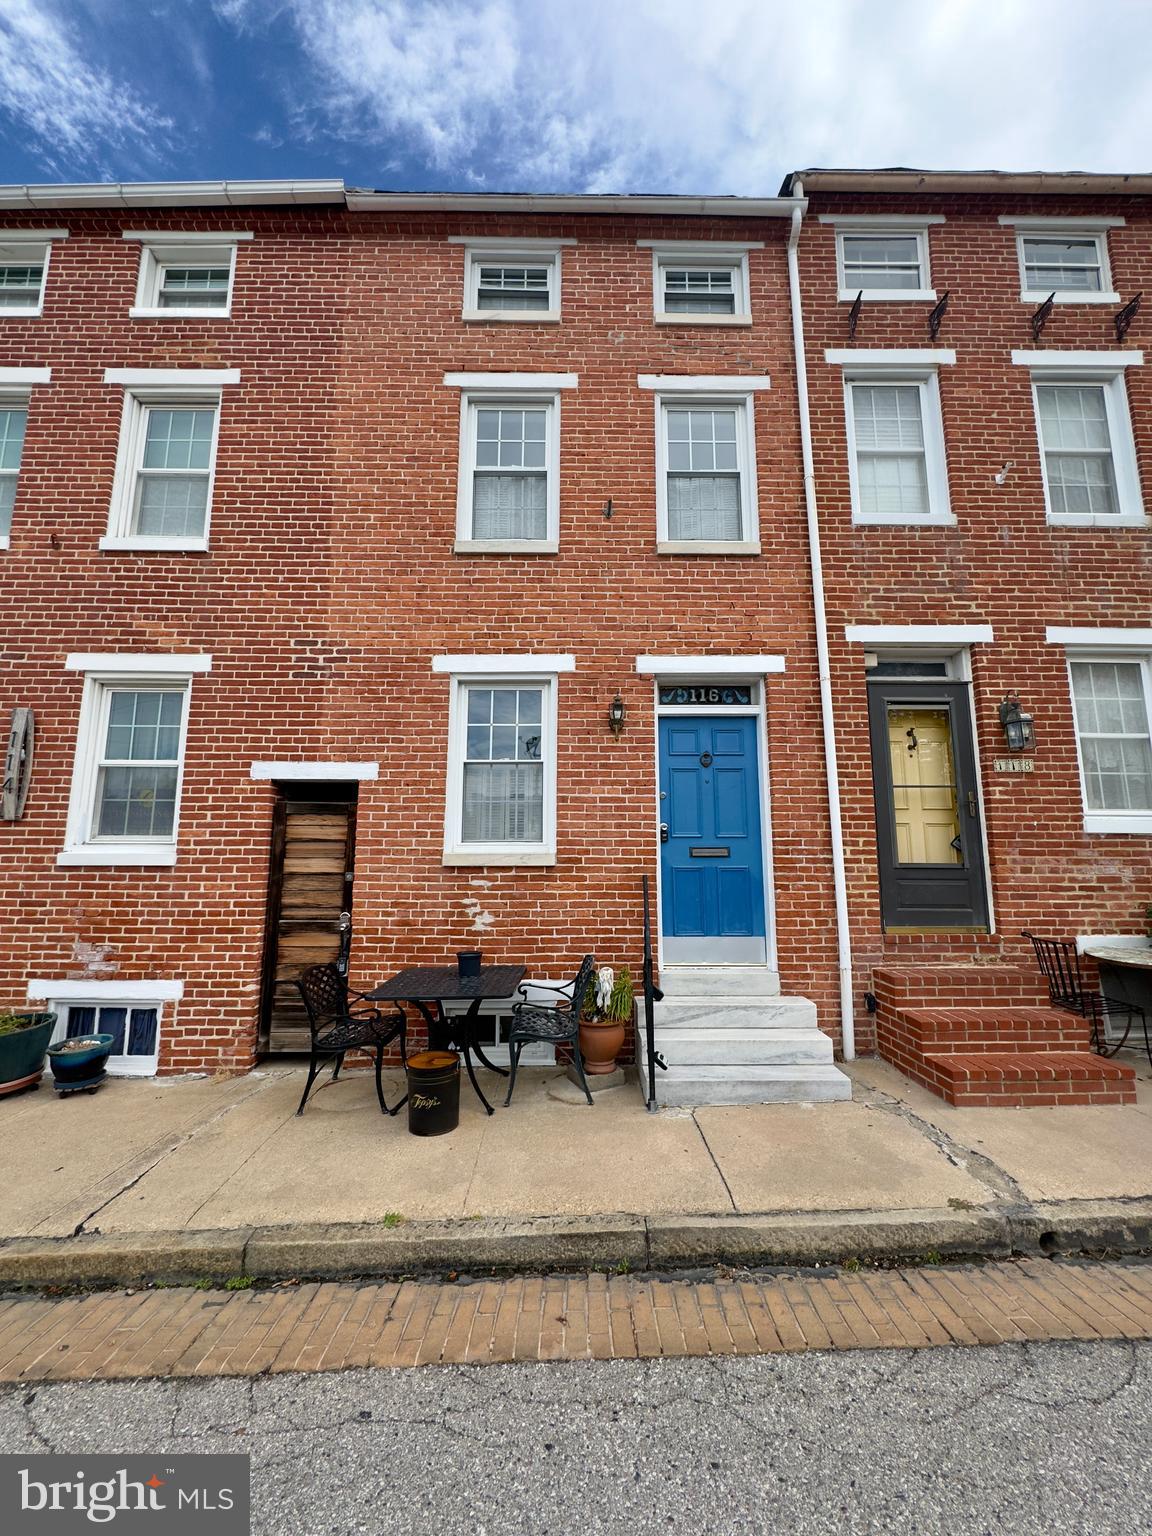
(652, 996)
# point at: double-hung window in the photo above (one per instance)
(1068, 260)
(24, 257)
(706, 498)
(166, 465)
(882, 260)
(502, 759)
(1087, 454)
(701, 282)
(896, 464)
(129, 758)
(1112, 699)
(13, 421)
(508, 498)
(505, 280)
(185, 275)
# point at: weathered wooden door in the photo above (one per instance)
(309, 888)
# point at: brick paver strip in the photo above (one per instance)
(185, 1332)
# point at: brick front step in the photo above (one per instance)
(1032, 1079)
(1000, 1027)
(946, 985)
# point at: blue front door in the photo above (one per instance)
(712, 874)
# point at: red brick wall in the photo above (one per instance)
(1001, 564)
(331, 583)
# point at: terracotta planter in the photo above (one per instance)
(601, 1041)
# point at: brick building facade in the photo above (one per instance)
(342, 520)
(345, 610)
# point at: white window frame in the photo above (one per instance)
(705, 255)
(480, 252)
(927, 380)
(160, 249)
(743, 400)
(910, 226)
(1133, 822)
(1071, 229)
(500, 672)
(1106, 369)
(38, 242)
(102, 675)
(15, 399)
(159, 389)
(58, 996)
(512, 391)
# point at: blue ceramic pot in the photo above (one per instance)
(80, 1065)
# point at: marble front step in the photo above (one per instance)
(719, 981)
(689, 1086)
(737, 1012)
(723, 1045)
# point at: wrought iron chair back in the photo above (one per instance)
(1060, 965)
(325, 994)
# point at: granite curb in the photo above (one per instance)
(620, 1243)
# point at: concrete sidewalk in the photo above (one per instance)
(156, 1165)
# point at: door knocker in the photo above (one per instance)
(912, 742)
(705, 759)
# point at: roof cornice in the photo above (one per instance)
(1051, 183)
(365, 201)
(169, 194)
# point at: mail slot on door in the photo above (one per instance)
(709, 853)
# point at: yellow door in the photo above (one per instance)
(924, 786)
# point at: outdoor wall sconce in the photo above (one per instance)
(1018, 731)
(617, 715)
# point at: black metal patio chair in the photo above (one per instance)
(555, 1023)
(341, 1020)
(1059, 963)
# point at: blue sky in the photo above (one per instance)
(567, 95)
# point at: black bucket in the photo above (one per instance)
(433, 1093)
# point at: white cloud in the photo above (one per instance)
(74, 113)
(683, 96)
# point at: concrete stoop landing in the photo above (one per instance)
(985, 1035)
(730, 1038)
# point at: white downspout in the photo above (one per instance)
(831, 770)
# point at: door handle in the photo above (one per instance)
(663, 831)
(971, 802)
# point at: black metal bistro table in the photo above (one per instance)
(429, 987)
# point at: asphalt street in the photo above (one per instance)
(1021, 1438)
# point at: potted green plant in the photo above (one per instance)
(79, 1064)
(24, 1039)
(607, 1017)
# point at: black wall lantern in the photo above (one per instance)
(617, 714)
(1018, 731)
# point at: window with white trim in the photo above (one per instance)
(701, 286)
(1112, 703)
(134, 1027)
(13, 421)
(511, 283)
(896, 460)
(1087, 453)
(163, 490)
(502, 770)
(193, 281)
(23, 274)
(509, 495)
(1072, 264)
(706, 487)
(883, 263)
(129, 769)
